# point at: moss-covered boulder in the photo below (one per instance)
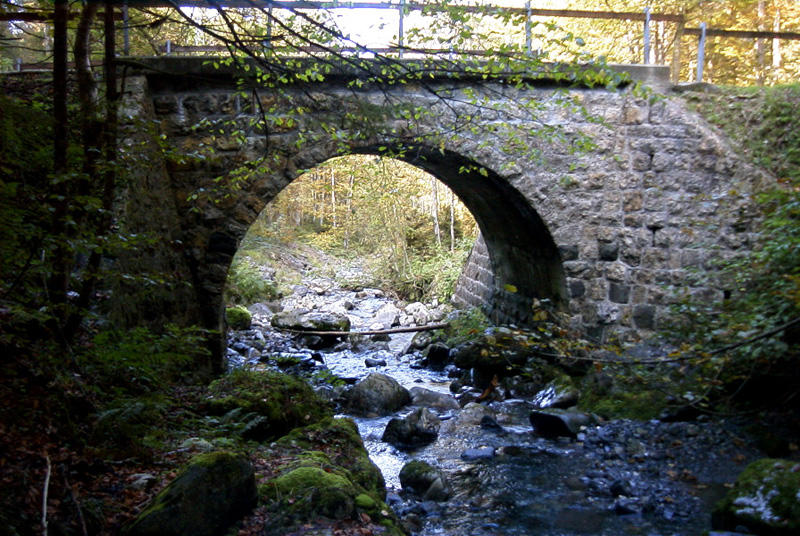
(314, 492)
(210, 494)
(238, 317)
(276, 402)
(377, 394)
(424, 481)
(325, 472)
(765, 499)
(339, 440)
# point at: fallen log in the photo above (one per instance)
(427, 327)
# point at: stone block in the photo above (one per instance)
(618, 293)
(644, 316)
(568, 252)
(577, 288)
(608, 251)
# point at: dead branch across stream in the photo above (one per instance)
(427, 327)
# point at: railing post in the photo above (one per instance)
(402, 13)
(528, 29)
(18, 64)
(676, 51)
(126, 34)
(701, 52)
(168, 47)
(268, 42)
(647, 35)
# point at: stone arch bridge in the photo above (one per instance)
(606, 235)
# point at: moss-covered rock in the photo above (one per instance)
(326, 472)
(212, 492)
(280, 402)
(314, 492)
(238, 317)
(765, 499)
(425, 481)
(339, 440)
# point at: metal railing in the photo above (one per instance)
(403, 7)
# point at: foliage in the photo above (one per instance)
(763, 285)
(139, 361)
(465, 326)
(238, 317)
(246, 285)
(283, 402)
(729, 60)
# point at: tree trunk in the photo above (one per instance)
(333, 198)
(452, 221)
(349, 223)
(435, 210)
(761, 49)
(776, 43)
(57, 282)
(103, 222)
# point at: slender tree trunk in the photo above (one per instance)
(333, 197)
(776, 43)
(349, 223)
(104, 221)
(57, 283)
(761, 49)
(452, 221)
(87, 97)
(435, 210)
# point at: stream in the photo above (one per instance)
(616, 478)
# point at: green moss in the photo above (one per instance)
(765, 499)
(238, 317)
(365, 502)
(309, 492)
(641, 406)
(339, 439)
(283, 401)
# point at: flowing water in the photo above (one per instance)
(621, 477)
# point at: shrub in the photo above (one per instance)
(139, 361)
(238, 317)
(246, 285)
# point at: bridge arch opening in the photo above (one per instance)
(524, 260)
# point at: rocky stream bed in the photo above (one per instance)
(489, 467)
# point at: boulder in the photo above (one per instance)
(387, 316)
(765, 499)
(212, 492)
(311, 321)
(419, 428)
(559, 393)
(437, 356)
(424, 481)
(323, 493)
(419, 312)
(375, 395)
(238, 317)
(559, 423)
(432, 399)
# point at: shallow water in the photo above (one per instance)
(619, 478)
